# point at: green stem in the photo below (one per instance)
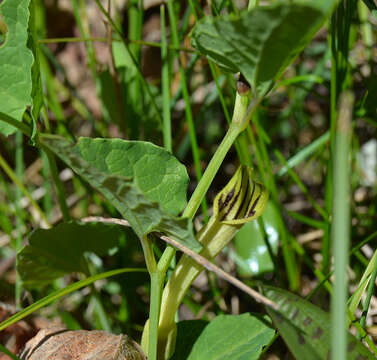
(241, 117)
(368, 297)
(157, 282)
(329, 186)
(150, 260)
(236, 127)
(211, 171)
(231, 205)
(340, 232)
(214, 237)
(165, 260)
(5, 351)
(151, 328)
(223, 104)
(186, 97)
(26, 129)
(150, 336)
(165, 84)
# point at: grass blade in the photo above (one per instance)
(340, 232)
(5, 351)
(166, 118)
(62, 292)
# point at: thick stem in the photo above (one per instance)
(340, 231)
(214, 237)
(236, 127)
(150, 338)
(173, 295)
(149, 341)
(241, 115)
(150, 260)
(157, 281)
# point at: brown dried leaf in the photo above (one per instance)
(62, 344)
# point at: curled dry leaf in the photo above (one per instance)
(62, 344)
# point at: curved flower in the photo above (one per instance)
(241, 200)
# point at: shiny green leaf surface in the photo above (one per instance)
(143, 181)
(236, 337)
(260, 43)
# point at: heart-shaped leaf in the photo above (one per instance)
(143, 181)
(236, 337)
(261, 43)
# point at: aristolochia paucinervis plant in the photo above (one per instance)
(148, 185)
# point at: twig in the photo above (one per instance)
(199, 259)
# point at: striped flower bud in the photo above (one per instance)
(241, 200)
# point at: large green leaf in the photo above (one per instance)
(261, 43)
(236, 337)
(143, 181)
(55, 252)
(306, 328)
(16, 61)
